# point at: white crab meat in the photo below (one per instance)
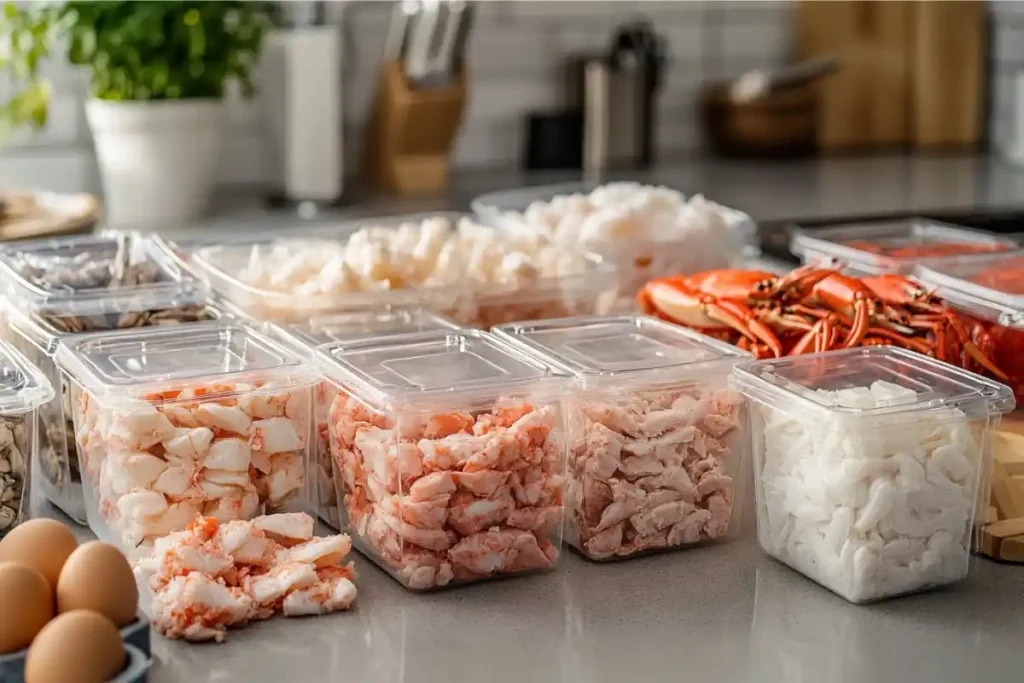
(174, 481)
(140, 427)
(285, 478)
(267, 588)
(139, 504)
(139, 469)
(228, 454)
(287, 528)
(263, 404)
(229, 418)
(327, 551)
(176, 516)
(191, 444)
(226, 477)
(245, 543)
(275, 435)
(196, 607)
(238, 504)
(325, 597)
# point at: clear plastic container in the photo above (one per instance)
(463, 299)
(448, 454)
(207, 419)
(879, 247)
(637, 260)
(343, 327)
(867, 466)
(657, 439)
(37, 330)
(987, 289)
(89, 266)
(23, 388)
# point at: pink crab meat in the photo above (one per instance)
(196, 607)
(481, 483)
(432, 486)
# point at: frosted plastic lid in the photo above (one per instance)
(355, 325)
(600, 349)
(990, 286)
(170, 358)
(460, 367)
(885, 244)
(90, 265)
(22, 385)
(796, 381)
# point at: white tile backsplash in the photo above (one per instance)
(516, 64)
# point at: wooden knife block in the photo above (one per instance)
(412, 133)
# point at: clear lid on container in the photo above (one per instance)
(91, 269)
(435, 369)
(889, 381)
(622, 350)
(22, 385)
(355, 325)
(882, 246)
(164, 360)
(989, 286)
(46, 324)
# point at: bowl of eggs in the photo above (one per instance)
(68, 612)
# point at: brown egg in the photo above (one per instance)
(80, 646)
(26, 604)
(43, 544)
(97, 577)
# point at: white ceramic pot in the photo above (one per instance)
(158, 160)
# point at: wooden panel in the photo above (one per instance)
(949, 48)
(867, 103)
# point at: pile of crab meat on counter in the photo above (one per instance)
(226, 451)
(652, 470)
(451, 497)
(213, 575)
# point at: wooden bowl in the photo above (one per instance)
(780, 125)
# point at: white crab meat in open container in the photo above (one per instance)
(867, 466)
(212, 419)
(657, 439)
(449, 453)
(346, 326)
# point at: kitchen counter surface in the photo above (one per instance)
(720, 614)
(768, 191)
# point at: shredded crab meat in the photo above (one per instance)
(452, 496)
(651, 470)
(211, 576)
(226, 450)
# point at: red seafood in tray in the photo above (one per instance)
(815, 309)
(448, 453)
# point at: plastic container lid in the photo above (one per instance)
(355, 325)
(847, 242)
(17, 261)
(459, 368)
(793, 383)
(959, 281)
(22, 385)
(620, 350)
(156, 359)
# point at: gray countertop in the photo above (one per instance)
(721, 613)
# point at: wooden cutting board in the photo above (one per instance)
(950, 45)
(866, 104)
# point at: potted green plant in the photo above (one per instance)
(157, 77)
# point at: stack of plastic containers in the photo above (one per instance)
(350, 326)
(62, 288)
(657, 440)
(450, 449)
(425, 265)
(23, 388)
(867, 466)
(879, 247)
(171, 423)
(689, 236)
